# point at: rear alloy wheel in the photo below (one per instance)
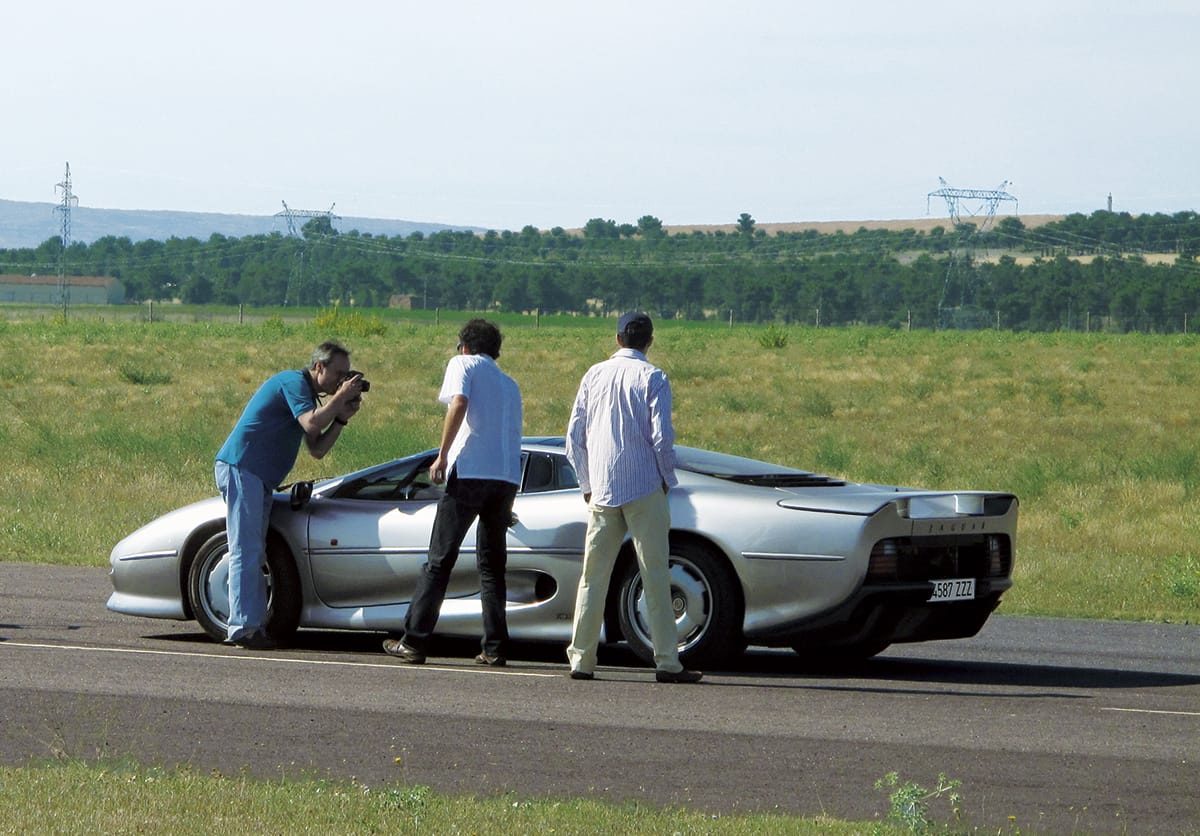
(208, 590)
(707, 608)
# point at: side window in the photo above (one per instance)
(566, 473)
(548, 472)
(422, 488)
(539, 473)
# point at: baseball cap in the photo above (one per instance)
(635, 321)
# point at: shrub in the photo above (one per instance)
(353, 324)
(773, 337)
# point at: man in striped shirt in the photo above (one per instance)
(622, 444)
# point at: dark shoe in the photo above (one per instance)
(258, 640)
(678, 676)
(582, 675)
(491, 661)
(407, 655)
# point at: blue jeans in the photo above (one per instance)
(491, 501)
(247, 514)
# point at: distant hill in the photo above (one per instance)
(30, 224)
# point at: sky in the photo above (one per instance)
(506, 114)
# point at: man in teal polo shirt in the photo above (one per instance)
(259, 453)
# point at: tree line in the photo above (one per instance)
(1103, 271)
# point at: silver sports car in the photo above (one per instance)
(760, 555)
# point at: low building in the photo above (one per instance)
(47, 290)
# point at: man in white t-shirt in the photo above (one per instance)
(480, 462)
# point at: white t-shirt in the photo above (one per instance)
(488, 444)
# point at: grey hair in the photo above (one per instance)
(326, 351)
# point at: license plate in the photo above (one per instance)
(954, 589)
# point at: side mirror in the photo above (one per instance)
(301, 494)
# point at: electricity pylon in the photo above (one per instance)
(69, 201)
(296, 283)
(979, 200)
(960, 271)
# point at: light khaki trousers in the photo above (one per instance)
(647, 521)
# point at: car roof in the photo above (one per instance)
(554, 442)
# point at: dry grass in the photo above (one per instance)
(848, 227)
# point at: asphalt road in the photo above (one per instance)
(1067, 726)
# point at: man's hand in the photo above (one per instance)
(350, 409)
(348, 397)
(437, 470)
(349, 391)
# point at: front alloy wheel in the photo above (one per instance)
(208, 590)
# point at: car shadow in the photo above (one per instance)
(958, 672)
(760, 663)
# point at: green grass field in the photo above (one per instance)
(120, 797)
(116, 422)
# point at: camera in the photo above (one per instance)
(366, 384)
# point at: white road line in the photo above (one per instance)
(1152, 711)
(261, 657)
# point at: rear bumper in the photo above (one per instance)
(890, 614)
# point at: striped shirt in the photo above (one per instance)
(619, 437)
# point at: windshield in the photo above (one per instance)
(406, 479)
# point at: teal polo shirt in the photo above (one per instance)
(267, 438)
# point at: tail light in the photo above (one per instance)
(884, 564)
(999, 559)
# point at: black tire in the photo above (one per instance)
(208, 590)
(708, 608)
